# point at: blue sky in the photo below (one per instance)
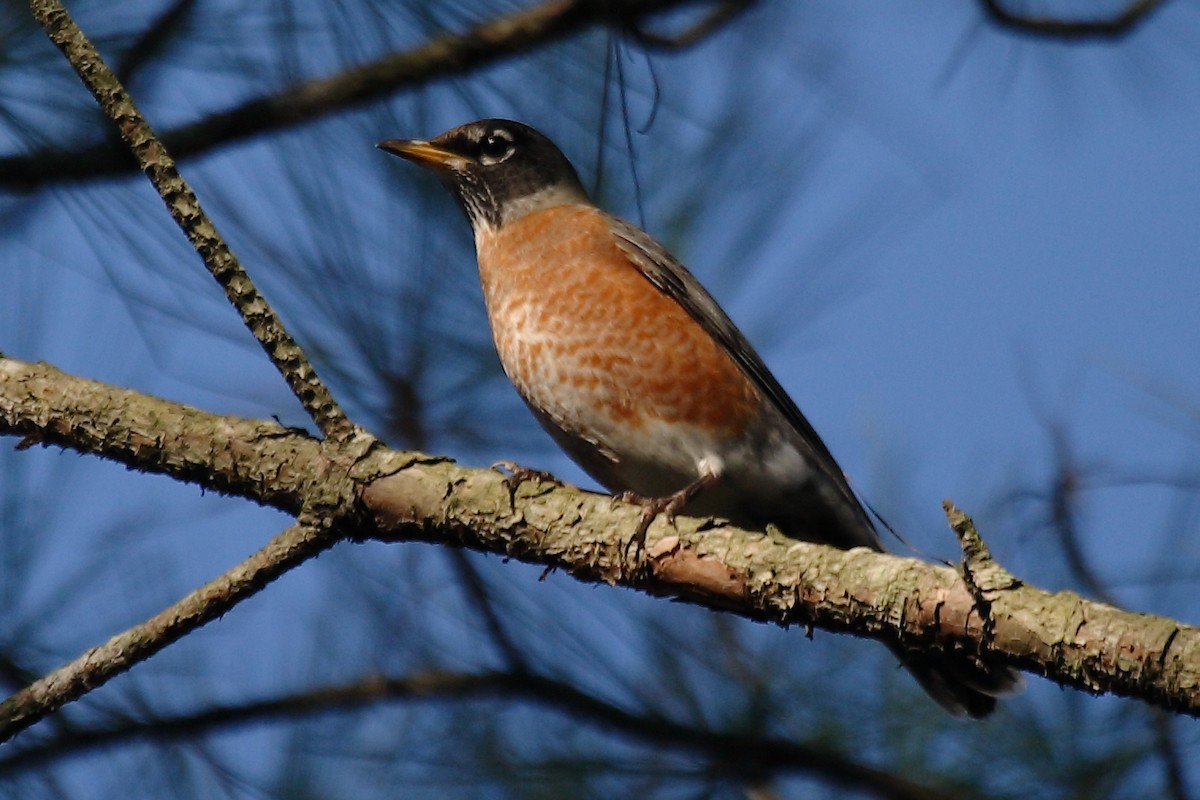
(968, 237)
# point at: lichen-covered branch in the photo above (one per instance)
(1065, 637)
(367, 491)
(185, 209)
(259, 460)
(100, 664)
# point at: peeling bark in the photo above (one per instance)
(366, 491)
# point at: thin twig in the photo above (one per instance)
(100, 664)
(1062, 500)
(1167, 745)
(715, 19)
(481, 598)
(165, 26)
(185, 209)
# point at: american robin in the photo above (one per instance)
(638, 374)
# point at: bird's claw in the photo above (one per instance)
(518, 475)
(652, 509)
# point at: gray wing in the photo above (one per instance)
(959, 684)
(670, 276)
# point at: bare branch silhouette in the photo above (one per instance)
(301, 102)
(1119, 24)
(735, 754)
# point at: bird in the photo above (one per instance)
(639, 375)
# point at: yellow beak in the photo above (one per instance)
(424, 153)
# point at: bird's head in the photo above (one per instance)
(498, 169)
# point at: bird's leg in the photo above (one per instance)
(670, 505)
(518, 475)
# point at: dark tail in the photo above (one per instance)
(960, 684)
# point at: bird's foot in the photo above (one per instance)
(653, 507)
(518, 475)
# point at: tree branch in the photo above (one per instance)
(1111, 27)
(185, 209)
(100, 664)
(261, 461)
(368, 491)
(481, 600)
(735, 754)
(304, 101)
(162, 30)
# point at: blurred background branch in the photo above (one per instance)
(102, 663)
(1019, 16)
(732, 755)
(446, 56)
(915, 218)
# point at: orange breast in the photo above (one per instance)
(586, 337)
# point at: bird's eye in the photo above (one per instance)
(496, 147)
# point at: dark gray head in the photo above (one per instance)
(498, 169)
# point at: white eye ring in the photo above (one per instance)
(496, 146)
